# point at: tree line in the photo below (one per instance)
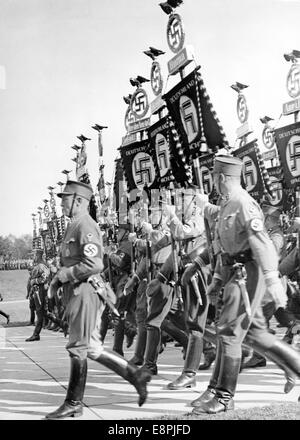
(15, 248)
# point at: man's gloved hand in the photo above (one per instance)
(62, 275)
(214, 290)
(276, 289)
(189, 272)
(130, 284)
(153, 287)
(146, 227)
(132, 237)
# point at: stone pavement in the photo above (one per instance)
(34, 377)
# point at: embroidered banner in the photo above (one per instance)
(251, 173)
(138, 166)
(191, 109)
(288, 145)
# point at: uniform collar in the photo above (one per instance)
(226, 197)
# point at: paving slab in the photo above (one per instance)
(34, 378)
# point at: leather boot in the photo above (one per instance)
(208, 394)
(119, 337)
(286, 357)
(192, 360)
(211, 389)
(290, 375)
(33, 338)
(255, 361)
(104, 323)
(138, 377)
(223, 399)
(209, 357)
(140, 346)
(72, 406)
(185, 380)
(152, 349)
(32, 316)
(178, 335)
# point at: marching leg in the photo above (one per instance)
(138, 377)
(72, 406)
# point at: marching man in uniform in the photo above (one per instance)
(81, 258)
(247, 267)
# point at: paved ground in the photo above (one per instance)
(34, 377)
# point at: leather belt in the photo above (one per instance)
(241, 257)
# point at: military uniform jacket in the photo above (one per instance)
(82, 249)
(39, 274)
(191, 232)
(240, 228)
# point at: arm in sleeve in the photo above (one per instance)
(160, 241)
(261, 245)
(190, 229)
(91, 254)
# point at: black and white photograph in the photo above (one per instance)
(150, 213)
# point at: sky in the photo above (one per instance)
(65, 66)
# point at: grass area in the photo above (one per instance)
(13, 284)
(13, 287)
(284, 411)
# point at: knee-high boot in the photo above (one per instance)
(140, 345)
(210, 392)
(72, 406)
(138, 377)
(104, 324)
(179, 335)
(119, 336)
(32, 316)
(225, 389)
(152, 349)
(187, 379)
(286, 357)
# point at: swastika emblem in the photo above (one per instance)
(156, 78)
(249, 173)
(46, 211)
(139, 103)
(143, 171)
(162, 154)
(293, 155)
(189, 117)
(268, 137)
(242, 109)
(175, 33)
(207, 180)
(277, 191)
(293, 81)
(52, 202)
(129, 118)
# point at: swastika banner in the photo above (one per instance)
(288, 145)
(251, 173)
(48, 243)
(167, 161)
(191, 110)
(282, 195)
(138, 166)
(206, 164)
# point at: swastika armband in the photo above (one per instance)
(256, 225)
(91, 250)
